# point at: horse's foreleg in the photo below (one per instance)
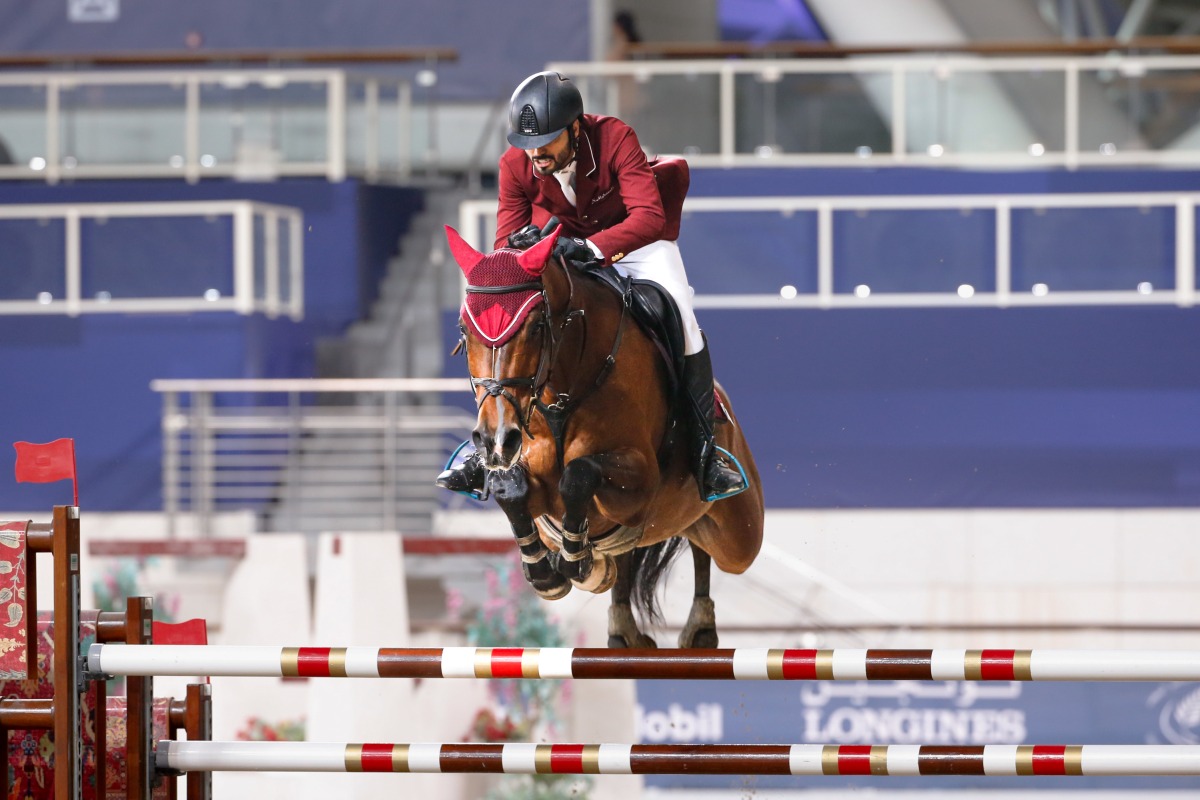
(622, 627)
(580, 479)
(700, 630)
(511, 490)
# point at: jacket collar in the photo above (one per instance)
(585, 171)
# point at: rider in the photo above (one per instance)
(591, 173)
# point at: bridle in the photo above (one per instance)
(557, 412)
(499, 387)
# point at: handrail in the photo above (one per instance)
(398, 55)
(805, 49)
(323, 385)
(1184, 205)
(302, 461)
(935, 109)
(247, 296)
(191, 150)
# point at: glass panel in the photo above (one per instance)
(32, 259)
(285, 260)
(812, 113)
(22, 125)
(974, 112)
(720, 258)
(671, 113)
(258, 125)
(124, 125)
(914, 251)
(1138, 110)
(1093, 249)
(157, 257)
(260, 258)
(356, 126)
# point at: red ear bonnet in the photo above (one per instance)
(534, 259)
(502, 287)
(466, 256)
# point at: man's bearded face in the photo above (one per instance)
(554, 156)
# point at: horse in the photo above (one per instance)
(584, 446)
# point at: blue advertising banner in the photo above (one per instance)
(917, 712)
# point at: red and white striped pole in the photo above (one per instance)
(707, 759)
(713, 664)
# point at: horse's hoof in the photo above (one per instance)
(545, 581)
(578, 571)
(700, 630)
(553, 592)
(618, 642)
(700, 638)
(602, 577)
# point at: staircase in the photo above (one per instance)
(372, 466)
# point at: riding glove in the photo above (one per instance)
(577, 252)
(525, 238)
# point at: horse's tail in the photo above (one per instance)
(649, 565)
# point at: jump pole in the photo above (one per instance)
(732, 759)
(603, 663)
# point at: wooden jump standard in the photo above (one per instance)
(62, 714)
(624, 759)
(61, 539)
(713, 664)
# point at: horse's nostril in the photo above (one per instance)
(481, 440)
(512, 441)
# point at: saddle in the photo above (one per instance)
(655, 312)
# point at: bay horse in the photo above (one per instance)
(585, 449)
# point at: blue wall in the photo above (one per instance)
(972, 407)
(89, 377)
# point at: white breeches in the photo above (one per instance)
(661, 262)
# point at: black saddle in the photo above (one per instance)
(656, 313)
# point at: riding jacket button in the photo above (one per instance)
(617, 257)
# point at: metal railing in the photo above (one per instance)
(309, 455)
(829, 289)
(1104, 110)
(198, 123)
(264, 273)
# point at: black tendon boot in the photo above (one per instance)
(717, 479)
(468, 478)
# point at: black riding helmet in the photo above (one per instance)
(541, 108)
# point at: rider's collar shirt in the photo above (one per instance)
(566, 178)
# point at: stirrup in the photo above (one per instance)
(455, 465)
(719, 452)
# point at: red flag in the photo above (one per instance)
(46, 463)
(192, 631)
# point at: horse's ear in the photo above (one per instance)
(534, 259)
(466, 256)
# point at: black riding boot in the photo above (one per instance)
(467, 478)
(714, 475)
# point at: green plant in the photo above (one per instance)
(259, 730)
(523, 710)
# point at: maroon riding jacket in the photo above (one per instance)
(619, 203)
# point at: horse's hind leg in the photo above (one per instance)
(511, 490)
(622, 627)
(700, 630)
